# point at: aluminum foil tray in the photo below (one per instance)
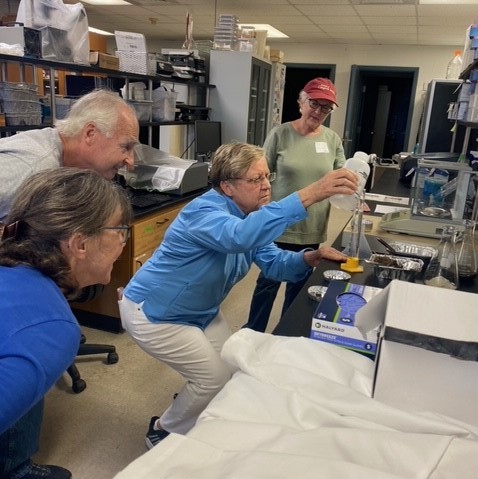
(410, 249)
(395, 267)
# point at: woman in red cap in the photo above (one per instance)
(299, 152)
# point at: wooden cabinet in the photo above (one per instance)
(147, 233)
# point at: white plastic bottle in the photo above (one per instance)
(454, 67)
(358, 164)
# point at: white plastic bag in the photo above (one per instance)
(164, 104)
(64, 28)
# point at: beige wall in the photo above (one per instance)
(431, 61)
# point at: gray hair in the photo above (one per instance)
(100, 107)
(49, 208)
(302, 97)
(232, 160)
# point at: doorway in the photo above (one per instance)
(296, 76)
(379, 106)
(379, 110)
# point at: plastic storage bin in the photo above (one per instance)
(10, 91)
(62, 106)
(164, 105)
(143, 109)
(137, 62)
(20, 106)
(19, 119)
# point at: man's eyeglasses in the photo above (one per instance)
(270, 177)
(315, 105)
(124, 231)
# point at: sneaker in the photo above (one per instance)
(154, 436)
(30, 470)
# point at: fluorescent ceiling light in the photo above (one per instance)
(447, 2)
(97, 30)
(271, 31)
(106, 2)
(384, 2)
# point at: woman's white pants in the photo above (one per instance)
(193, 353)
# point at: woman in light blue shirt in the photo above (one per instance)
(171, 307)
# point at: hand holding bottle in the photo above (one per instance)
(359, 165)
(341, 181)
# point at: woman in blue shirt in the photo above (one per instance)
(171, 307)
(65, 229)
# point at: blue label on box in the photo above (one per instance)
(334, 318)
(368, 347)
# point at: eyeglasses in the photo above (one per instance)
(315, 105)
(123, 230)
(270, 177)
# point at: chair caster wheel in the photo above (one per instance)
(78, 386)
(112, 358)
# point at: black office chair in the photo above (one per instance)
(78, 384)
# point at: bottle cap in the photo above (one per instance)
(361, 155)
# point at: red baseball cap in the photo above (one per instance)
(321, 89)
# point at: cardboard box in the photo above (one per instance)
(333, 320)
(276, 55)
(424, 330)
(103, 60)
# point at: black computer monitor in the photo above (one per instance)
(208, 138)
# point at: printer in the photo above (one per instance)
(187, 64)
(157, 170)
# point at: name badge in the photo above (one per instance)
(321, 147)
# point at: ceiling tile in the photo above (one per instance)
(302, 20)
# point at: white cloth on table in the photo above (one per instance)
(302, 408)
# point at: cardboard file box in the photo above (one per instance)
(103, 60)
(334, 318)
(427, 359)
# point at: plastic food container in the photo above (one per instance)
(395, 267)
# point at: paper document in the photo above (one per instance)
(388, 209)
(400, 200)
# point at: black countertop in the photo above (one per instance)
(297, 320)
(171, 201)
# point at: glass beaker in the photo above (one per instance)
(442, 271)
(466, 251)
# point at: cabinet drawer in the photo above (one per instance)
(149, 232)
(139, 260)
